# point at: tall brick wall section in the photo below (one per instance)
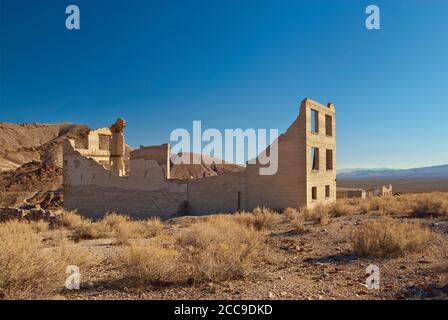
(323, 177)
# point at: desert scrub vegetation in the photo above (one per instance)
(433, 204)
(112, 225)
(219, 248)
(389, 238)
(83, 228)
(296, 218)
(261, 218)
(30, 271)
(152, 264)
(430, 204)
(319, 214)
(124, 229)
(342, 208)
(264, 218)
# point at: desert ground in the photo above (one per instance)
(319, 253)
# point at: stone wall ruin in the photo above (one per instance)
(96, 181)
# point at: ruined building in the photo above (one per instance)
(97, 181)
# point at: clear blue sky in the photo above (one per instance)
(235, 64)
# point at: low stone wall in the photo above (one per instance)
(94, 201)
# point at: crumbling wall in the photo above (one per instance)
(287, 187)
(93, 188)
(226, 193)
(292, 185)
(360, 193)
(160, 154)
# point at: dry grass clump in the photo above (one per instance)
(125, 229)
(260, 219)
(122, 228)
(113, 225)
(417, 205)
(296, 218)
(432, 204)
(389, 238)
(39, 226)
(290, 212)
(83, 228)
(343, 208)
(148, 264)
(319, 214)
(244, 218)
(153, 227)
(264, 218)
(387, 206)
(28, 270)
(112, 219)
(219, 248)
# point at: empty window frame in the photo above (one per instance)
(327, 191)
(314, 121)
(314, 159)
(104, 142)
(328, 125)
(329, 159)
(314, 193)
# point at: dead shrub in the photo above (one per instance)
(320, 214)
(30, 271)
(298, 222)
(91, 230)
(122, 228)
(39, 226)
(153, 227)
(260, 219)
(342, 208)
(244, 218)
(112, 225)
(389, 238)
(112, 219)
(124, 232)
(296, 218)
(148, 264)
(433, 204)
(125, 229)
(219, 248)
(264, 218)
(71, 219)
(83, 228)
(290, 212)
(417, 205)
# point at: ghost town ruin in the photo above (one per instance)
(383, 191)
(96, 180)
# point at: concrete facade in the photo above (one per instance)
(95, 181)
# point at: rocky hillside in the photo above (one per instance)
(23, 143)
(31, 161)
(202, 167)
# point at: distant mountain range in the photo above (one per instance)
(440, 171)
